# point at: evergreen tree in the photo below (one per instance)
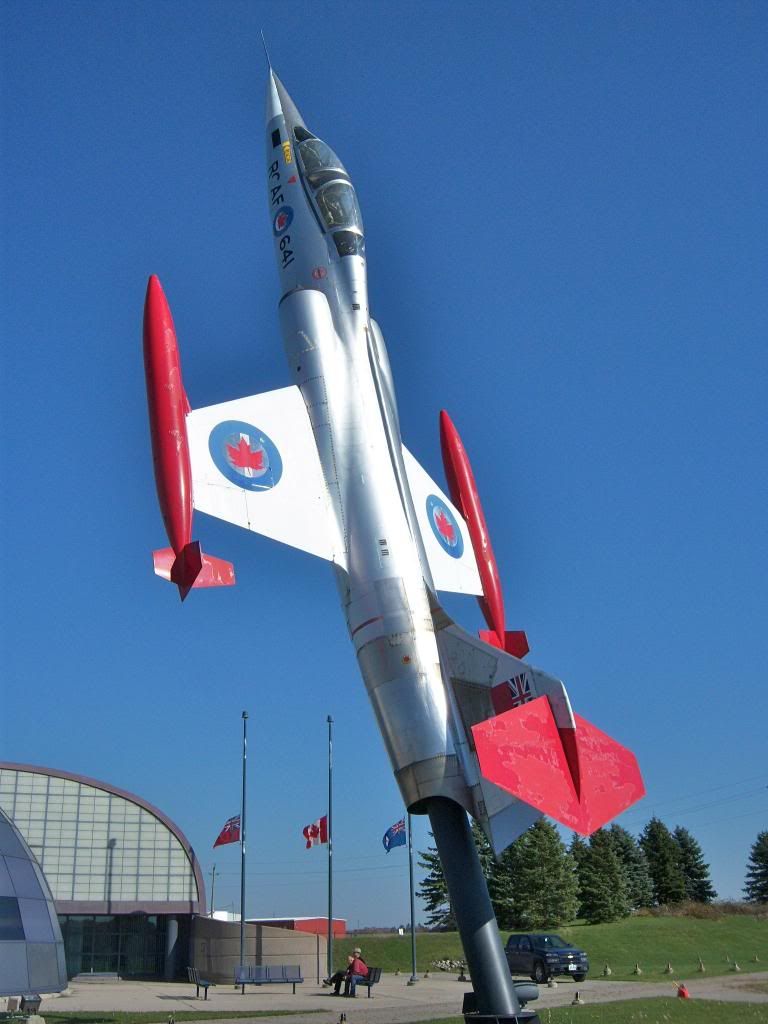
(635, 864)
(501, 886)
(663, 855)
(602, 881)
(756, 889)
(698, 885)
(543, 882)
(578, 851)
(433, 891)
(484, 849)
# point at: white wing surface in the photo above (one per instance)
(443, 532)
(255, 464)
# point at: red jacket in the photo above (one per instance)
(358, 966)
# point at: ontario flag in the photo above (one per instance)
(317, 832)
(395, 835)
(230, 833)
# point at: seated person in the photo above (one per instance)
(337, 978)
(356, 972)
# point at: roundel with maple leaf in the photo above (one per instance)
(245, 455)
(445, 527)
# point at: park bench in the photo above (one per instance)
(272, 974)
(200, 983)
(371, 979)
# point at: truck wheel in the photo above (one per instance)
(579, 977)
(540, 973)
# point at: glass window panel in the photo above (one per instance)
(37, 922)
(11, 928)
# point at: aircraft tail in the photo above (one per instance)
(529, 744)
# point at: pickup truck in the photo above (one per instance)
(541, 956)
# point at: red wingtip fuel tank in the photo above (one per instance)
(183, 564)
(463, 490)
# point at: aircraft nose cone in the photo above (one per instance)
(279, 102)
(273, 100)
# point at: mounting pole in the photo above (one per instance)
(242, 847)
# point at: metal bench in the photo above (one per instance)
(200, 983)
(271, 974)
(372, 978)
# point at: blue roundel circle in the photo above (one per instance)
(282, 220)
(445, 527)
(245, 455)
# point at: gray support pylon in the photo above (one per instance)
(475, 919)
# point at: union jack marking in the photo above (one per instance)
(519, 690)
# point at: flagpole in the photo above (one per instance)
(242, 848)
(330, 846)
(213, 889)
(413, 979)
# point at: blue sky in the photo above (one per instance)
(566, 226)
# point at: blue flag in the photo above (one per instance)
(394, 836)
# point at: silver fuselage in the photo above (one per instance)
(337, 357)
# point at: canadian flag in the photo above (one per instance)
(317, 832)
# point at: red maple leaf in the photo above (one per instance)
(445, 528)
(243, 457)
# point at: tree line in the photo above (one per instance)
(539, 883)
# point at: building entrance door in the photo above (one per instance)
(130, 945)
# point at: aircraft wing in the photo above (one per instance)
(444, 533)
(255, 464)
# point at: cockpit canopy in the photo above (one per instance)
(334, 194)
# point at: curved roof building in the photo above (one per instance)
(31, 947)
(124, 878)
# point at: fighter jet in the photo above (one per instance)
(320, 465)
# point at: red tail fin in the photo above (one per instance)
(582, 780)
(191, 568)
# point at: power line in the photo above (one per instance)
(643, 811)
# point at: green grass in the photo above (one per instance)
(648, 1011)
(634, 1011)
(160, 1017)
(650, 941)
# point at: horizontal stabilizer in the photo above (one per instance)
(191, 568)
(523, 751)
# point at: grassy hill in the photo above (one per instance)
(650, 941)
(650, 1011)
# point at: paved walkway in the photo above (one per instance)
(394, 1001)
